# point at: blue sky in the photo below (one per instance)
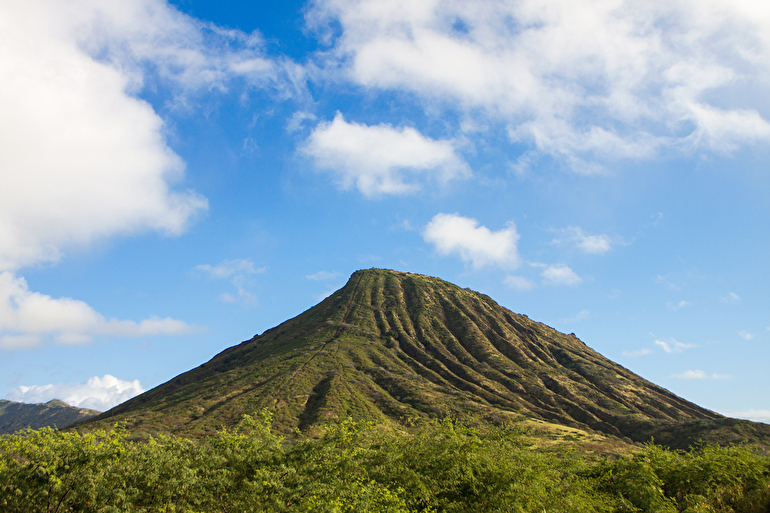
(179, 177)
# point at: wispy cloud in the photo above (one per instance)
(582, 82)
(298, 119)
(666, 280)
(582, 315)
(574, 235)
(699, 374)
(29, 318)
(323, 275)
(755, 415)
(238, 273)
(382, 159)
(326, 293)
(640, 352)
(231, 269)
(677, 306)
(560, 274)
(472, 242)
(746, 335)
(97, 393)
(674, 346)
(731, 298)
(519, 283)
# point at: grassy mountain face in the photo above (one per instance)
(392, 346)
(15, 416)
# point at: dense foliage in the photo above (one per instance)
(440, 466)
(16, 416)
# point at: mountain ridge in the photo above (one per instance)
(391, 346)
(55, 413)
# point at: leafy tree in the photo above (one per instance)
(708, 478)
(50, 471)
(442, 465)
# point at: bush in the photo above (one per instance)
(440, 466)
(705, 479)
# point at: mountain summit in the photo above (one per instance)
(391, 346)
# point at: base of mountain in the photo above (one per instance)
(391, 346)
(440, 465)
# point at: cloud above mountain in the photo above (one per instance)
(29, 318)
(382, 159)
(98, 393)
(84, 158)
(473, 243)
(581, 82)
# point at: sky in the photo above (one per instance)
(180, 176)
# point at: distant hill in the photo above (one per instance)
(15, 416)
(390, 347)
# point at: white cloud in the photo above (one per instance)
(593, 244)
(731, 298)
(323, 275)
(83, 158)
(151, 40)
(519, 283)
(580, 316)
(699, 374)
(560, 274)
(325, 294)
(746, 335)
(244, 296)
(382, 159)
(231, 268)
(578, 80)
(20, 341)
(674, 347)
(97, 393)
(665, 280)
(681, 304)
(474, 244)
(238, 273)
(640, 352)
(297, 120)
(755, 415)
(28, 318)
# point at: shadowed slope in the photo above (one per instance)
(15, 416)
(390, 346)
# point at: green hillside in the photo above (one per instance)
(15, 416)
(391, 347)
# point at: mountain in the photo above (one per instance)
(392, 346)
(15, 416)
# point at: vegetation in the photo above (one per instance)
(15, 416)
(391, 346)
(413, 358)
(437, 466)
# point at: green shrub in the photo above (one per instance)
(440, 466)
(707, 478)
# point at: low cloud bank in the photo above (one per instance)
(96, 393)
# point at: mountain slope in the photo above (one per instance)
(390, 346)
(15, 416)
